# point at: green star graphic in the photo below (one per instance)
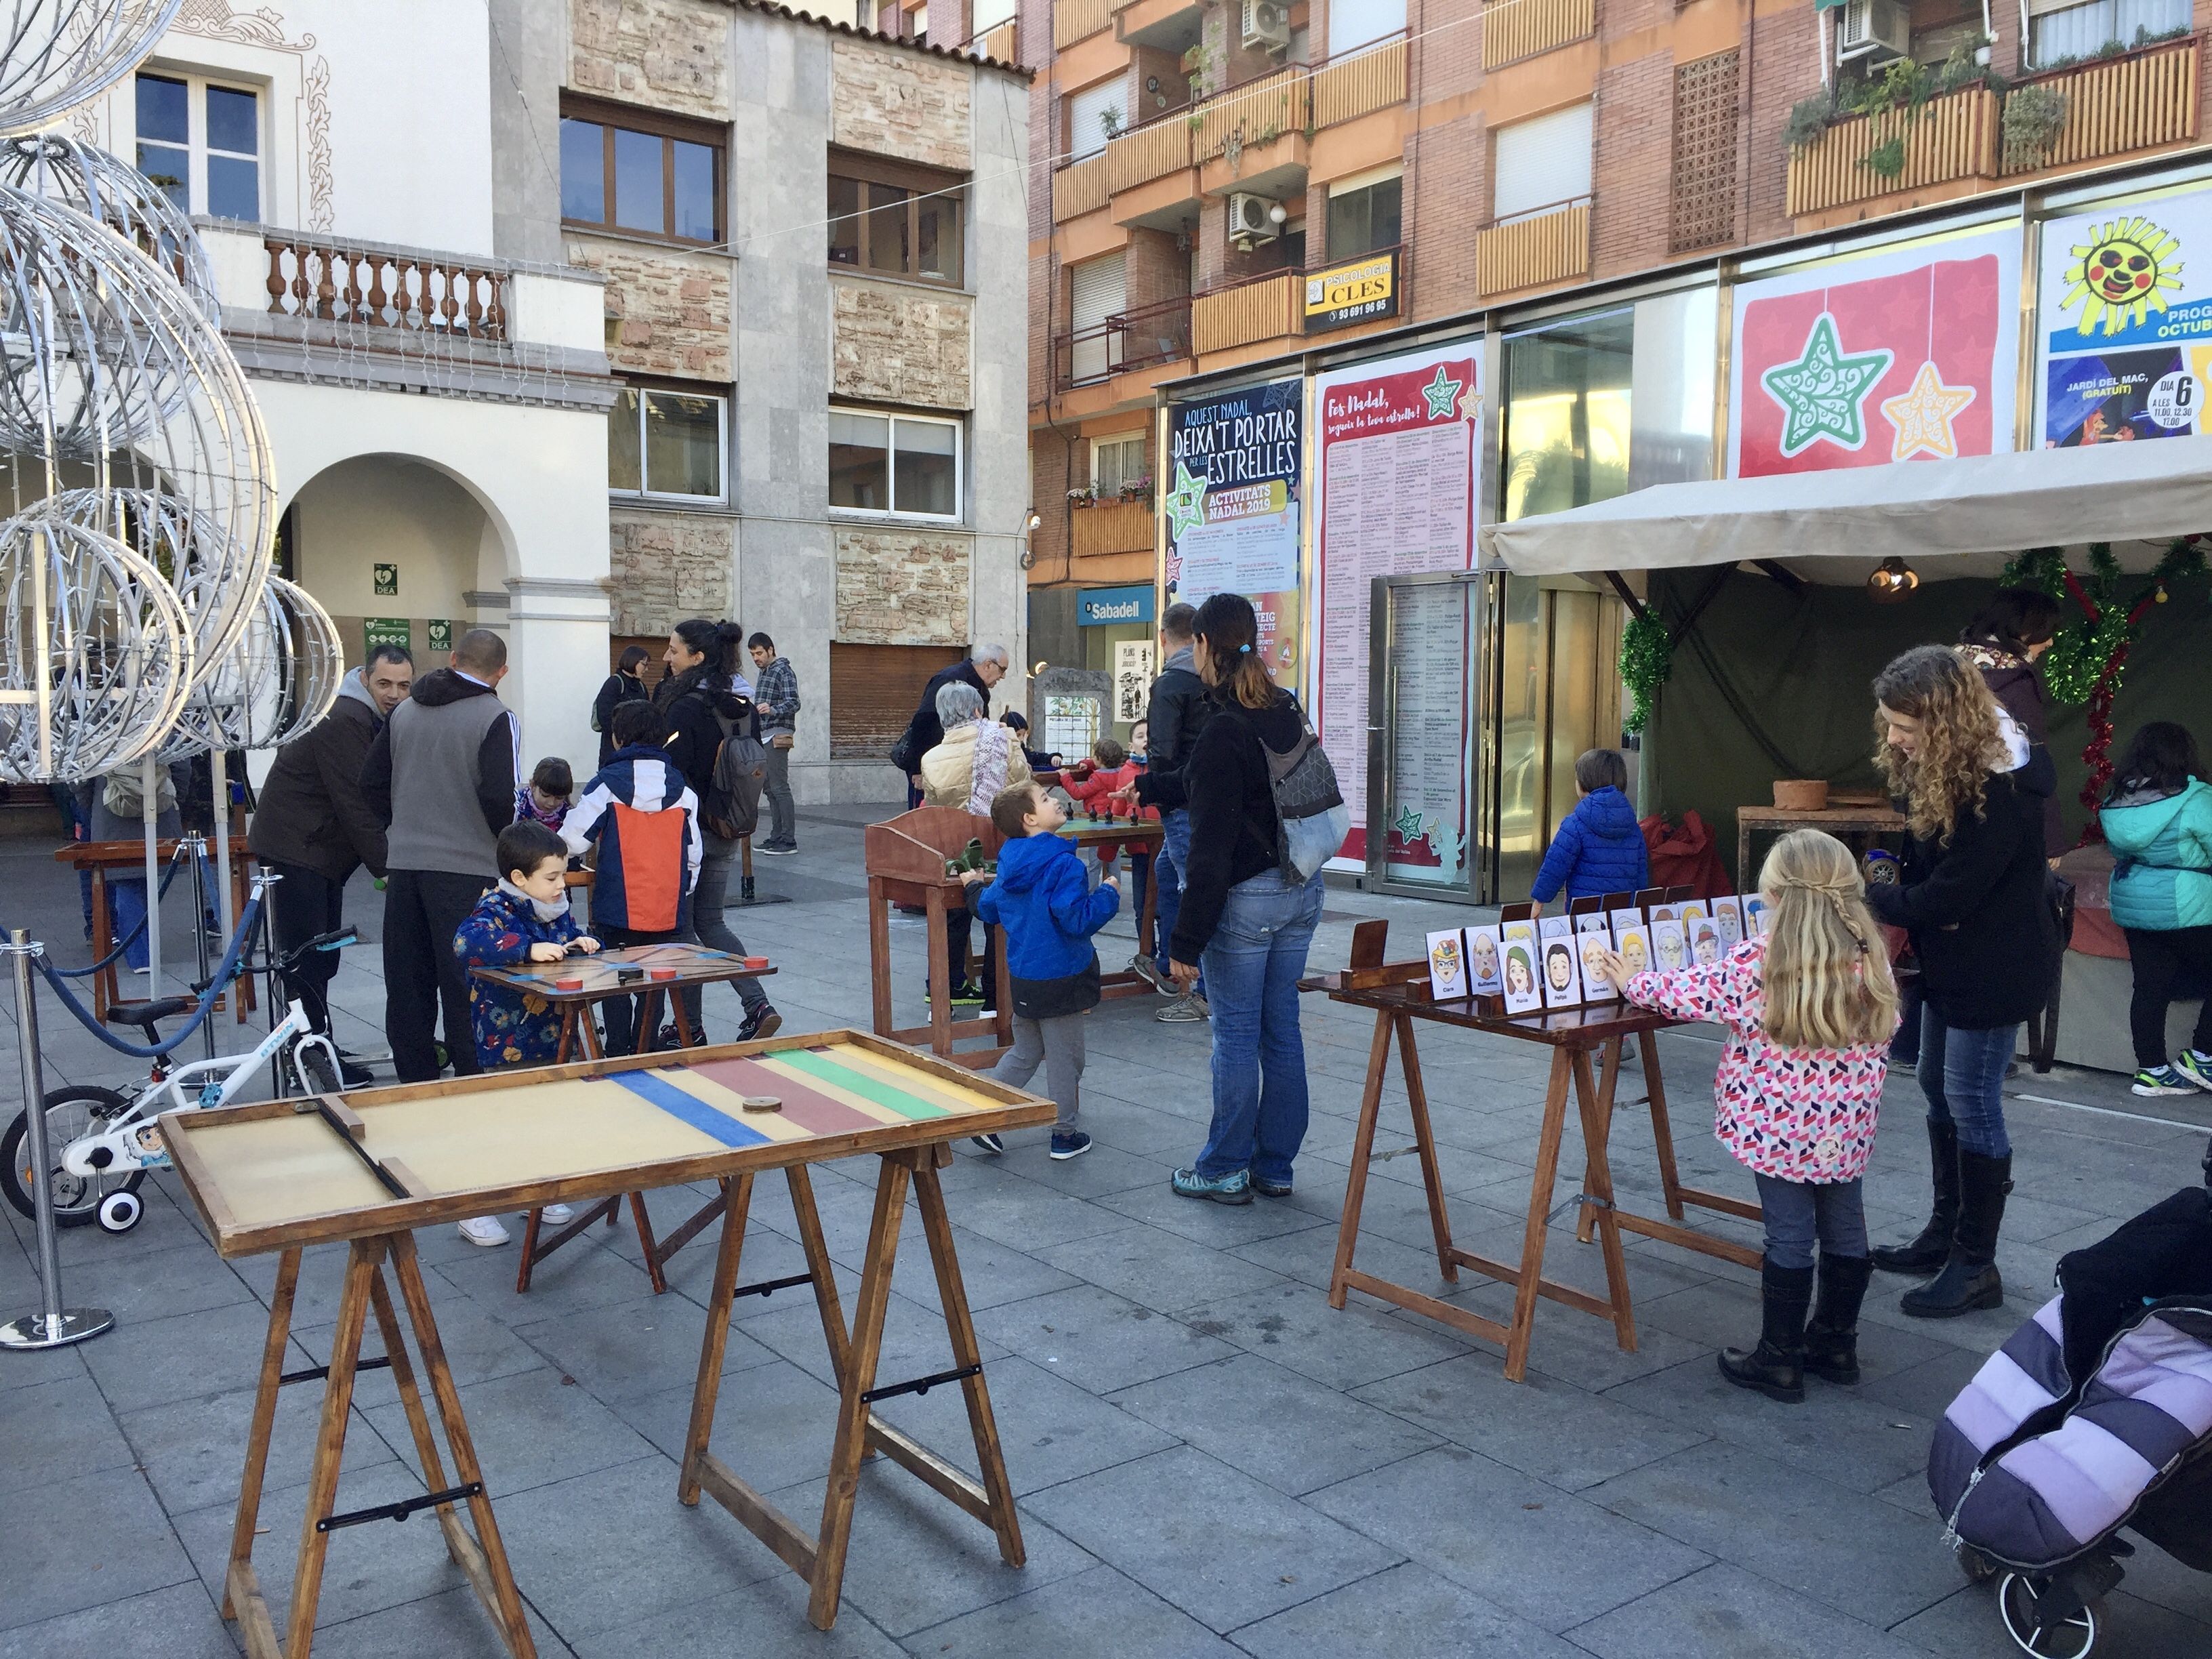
(1408, 825)
(1185, 503)
(1823, 394)
(1443, 394)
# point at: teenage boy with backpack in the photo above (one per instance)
(644, 819)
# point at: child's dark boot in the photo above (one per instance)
(1832, 1337)
(1775, 1367)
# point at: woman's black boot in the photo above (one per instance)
(1775, 1367)
(1969, 1279)
(1832, 1336)
(1927, 1252)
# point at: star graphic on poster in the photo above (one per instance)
(1442, 393)
(1409, 826)
(1186, 502)
(1922, 415)
(1470, 404)
(1823, 394)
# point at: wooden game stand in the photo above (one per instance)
(905, 857)
(1143, 838)
(479, 1553)
(1399, 993)
(820, 1558)
(102, 857)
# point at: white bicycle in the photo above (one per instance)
(104, 1141)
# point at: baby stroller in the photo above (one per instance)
(2095, 1415)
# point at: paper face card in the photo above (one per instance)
(1632, 941)
(1754, 915)
(1486, 969)
(1517, 949)
(1562, 979)
(1668, 950)
(1589, 952)
(1666, 912)
(1447, 965)
(1728, 922)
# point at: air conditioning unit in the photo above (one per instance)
(1266, 24)
(1251, 219)
(1876, 28)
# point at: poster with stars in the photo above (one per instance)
(1903, 355)
(2126, 346)
(1235, 492)
(1396, 486)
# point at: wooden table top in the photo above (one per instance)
(1564, 1028)
(1084, 833)
(599, 977)
(1845, 817)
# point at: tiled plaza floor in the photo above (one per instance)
(1209, 1461)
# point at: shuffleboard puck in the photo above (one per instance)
(761, 1103)
(664, 973)
(568, 985)
(753, 962)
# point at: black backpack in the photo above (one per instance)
(732, 809)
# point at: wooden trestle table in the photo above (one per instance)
(1399, 994)
(366, 1169)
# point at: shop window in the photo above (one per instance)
(906, 465)
(1116, 462)
(200, 142)
(890, 221)
(648, 175)
(1567, 413)
(2059, 33)
(1363, 217)
(665, 441)
(873, 692)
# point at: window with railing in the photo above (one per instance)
(640, 172)
(889, 219)
(2061, 34)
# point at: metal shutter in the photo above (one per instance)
(873, 692)
(1099, 289)
(1542, 161)
(1086, 135)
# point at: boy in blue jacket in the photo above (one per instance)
(1043, 897)
(1600, 848)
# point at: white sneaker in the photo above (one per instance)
(483, 1230)
(557, 1215)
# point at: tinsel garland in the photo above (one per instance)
(2087, 661)
(1647, 659)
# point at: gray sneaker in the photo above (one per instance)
(1184, 1009)
(1144, 968)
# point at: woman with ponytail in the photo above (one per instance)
(1972, 900)
(1809, 1007)
(1243, 916)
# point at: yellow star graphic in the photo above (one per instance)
(1470, 404)
(1922, 415)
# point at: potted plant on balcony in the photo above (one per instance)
(1083, 496)
(1137, 489)
(1109, 123)
(2033, 117)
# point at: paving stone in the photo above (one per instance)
(1542, 1554)
(772, 1424)
(1967, 1625)
(1310, 1257)
(55, 1430)
(993, 1273)
(1928, 1390)
(479, 1347)
(1220, 1225)
(1785, 1523)
(104, 1537)
(1725, 1612)
(455, 1622)
(1095, 1614)
(1725, 1314)
(915, 1343)
(764, 1619)
(1022, 1214)
(1160, 1270)
(193, 1452)
(179, 1622)
(154, 1361)
(632, 1348)
(1209, 1539)
(1575, 1348)
(188, 1278)
(1292, 1325)
(1401, 1611)
(1051, 1429)
(530, 1430)
(583, 1273)
(1098, 1339)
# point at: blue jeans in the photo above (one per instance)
(1252, 969)
(127, 903)
(1798, 1211)
(1962, 1075)
(1167, 872)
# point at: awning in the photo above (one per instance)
(1962, 518)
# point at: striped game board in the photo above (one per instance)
(833, 1090)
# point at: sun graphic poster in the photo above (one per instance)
(1397, 442)
(1234, 499)
(1900, 355)
(2126, 323)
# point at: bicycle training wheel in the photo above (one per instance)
(71, 1113)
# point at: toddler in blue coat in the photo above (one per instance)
(1600, 848)
(1042, 897)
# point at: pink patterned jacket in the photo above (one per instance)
(1798, 1113)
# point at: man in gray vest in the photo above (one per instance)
(441, 776)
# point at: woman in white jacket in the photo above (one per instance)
(977, 758)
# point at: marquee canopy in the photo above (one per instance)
(1952, 518)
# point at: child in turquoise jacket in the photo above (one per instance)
(2158, 820)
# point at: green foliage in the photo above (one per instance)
(1646, 660)
(1808, 119)
(2033, 117)
(1886, 159)
(2083, 653)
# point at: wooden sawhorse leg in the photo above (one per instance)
(481, 1555)
(1671, 1230)
(1344, 1277)
(820, 1558)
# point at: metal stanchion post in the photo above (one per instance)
(196, 847)
(219, 771)
(53, 1326)
(149, 810)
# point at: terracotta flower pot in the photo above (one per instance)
(1801, 795)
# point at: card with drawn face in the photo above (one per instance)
(1555, 927)
(1754, 917)
(1590, 949)
(1668, 949)
(1517, 951)
(1704, 940)
(1562, 979)
(1666, 912)
(1693, 912)
(1447, 965)
(1728, 918)
(1486, 971)
(1631, 939)
(1592, 921)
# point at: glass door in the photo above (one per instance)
(1425, 698)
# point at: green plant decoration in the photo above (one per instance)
(1808, 119)
(2033, 117)
(1646, 660)
(1886, 159)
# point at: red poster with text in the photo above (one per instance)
(1897, 367)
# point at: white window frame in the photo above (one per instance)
(196, 151)
(1132, 441)
(645, 391)
(876, 514)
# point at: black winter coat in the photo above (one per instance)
(1981, 924)
(618, 690)
(925, 731)
(1233, 824)
(696, 728)
(312, 811)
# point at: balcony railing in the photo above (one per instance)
(1111, 527)
(1514, 29)
(1256, 112)
(1002, 43)
(2129, 103)
(1142, 338)
(1079, 188)
(1078, 19)
(1151, 151)
(425, 293)
(1265, 308)
(1346, 88)
(1950, 137)
(1547, 244)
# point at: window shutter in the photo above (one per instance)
(873, 692)
(1355, 23)
(1086, 135)
(1541, 161)
(1098, 290)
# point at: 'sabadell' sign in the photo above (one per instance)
(1354, 293)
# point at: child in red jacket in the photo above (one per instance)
(1109, 770)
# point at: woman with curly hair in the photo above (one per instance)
(1972, 900)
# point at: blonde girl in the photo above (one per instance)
(1809, 1008)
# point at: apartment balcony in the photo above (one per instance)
(2137, 102)
(1544, 245)
(1002, 43)
(1079, 188)
(1079, 20)
(1286, 305)
(1515, 30)
(1949, 139)
(1130, 341)
(1102, 529)
(1170, 25)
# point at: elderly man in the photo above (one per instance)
(985, 665)
(312, 825)
(442, 777)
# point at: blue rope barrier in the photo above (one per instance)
(225, 972)
(176, 863)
